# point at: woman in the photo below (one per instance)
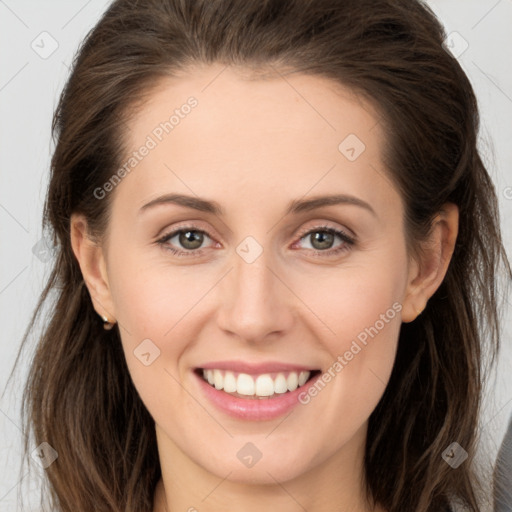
(199, 356)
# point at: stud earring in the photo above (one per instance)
(107, 325)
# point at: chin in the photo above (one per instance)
(264, 471)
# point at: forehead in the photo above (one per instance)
(302, 132)
(229, 98)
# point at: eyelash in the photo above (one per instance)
(349, 241)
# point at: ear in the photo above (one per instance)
(427, 274)
(92, 263)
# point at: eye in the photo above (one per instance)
(188, 237)
(322, 238)
(191, 239)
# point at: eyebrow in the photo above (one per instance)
(294, 207)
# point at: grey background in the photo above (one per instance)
(31, 79)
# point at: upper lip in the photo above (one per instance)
(255, 368)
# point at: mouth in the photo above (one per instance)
(256, 386)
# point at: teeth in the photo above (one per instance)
(264, 385)
(292, 381)
(218, 381)
(245, 384)
(280, 385)
(303, 377)
(261, 386)
(230, 383)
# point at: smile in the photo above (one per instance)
(266, 385)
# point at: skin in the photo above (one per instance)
(253, 146)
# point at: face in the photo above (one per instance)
(263, 285)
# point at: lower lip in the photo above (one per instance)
(254, 409)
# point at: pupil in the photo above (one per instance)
(322, 237)
(184, 240)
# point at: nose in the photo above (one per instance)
(256, 304)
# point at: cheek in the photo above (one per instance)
(151, 297)
(152, 311)
(349, 303)
(360, 309)
(156, 307)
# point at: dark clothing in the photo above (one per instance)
(503, 474)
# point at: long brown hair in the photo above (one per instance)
(79, 397)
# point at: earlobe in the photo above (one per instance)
(426, 276)
(91, 259)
